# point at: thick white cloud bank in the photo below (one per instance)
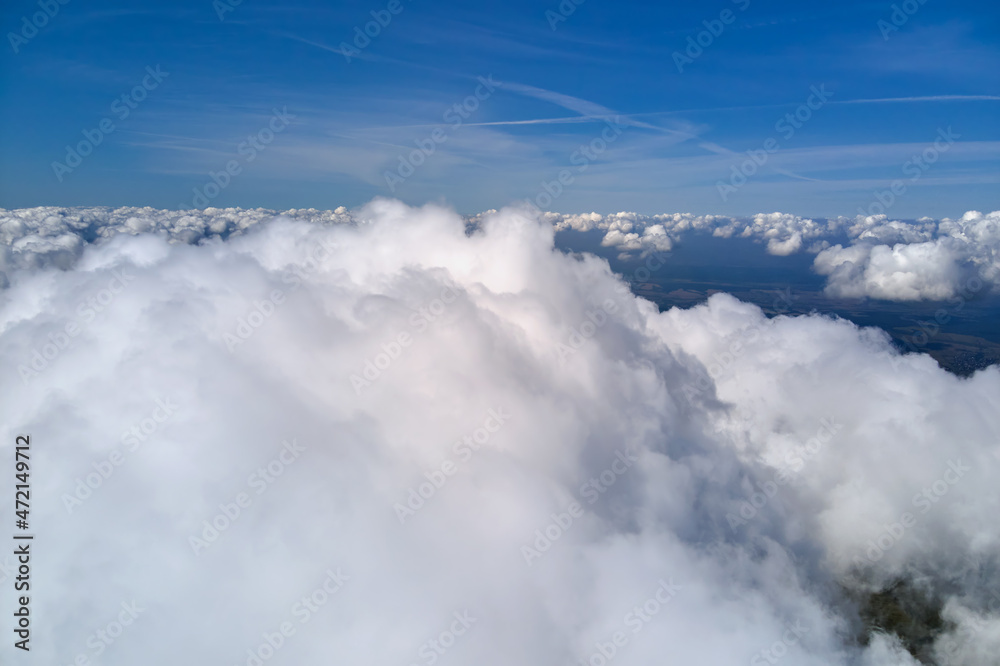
(920, 264)
(390, 441)
(884, 259)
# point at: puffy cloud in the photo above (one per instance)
(55, 236)
(632, 232)
(864, 257)
(784, 233)
(887, 259)
(920, 271)
(404, 437)
(783, 248)
(879, 229)
(620, 234)
(962, 253)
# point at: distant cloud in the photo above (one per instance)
(929, 259)
(955, 254)
(870, 256)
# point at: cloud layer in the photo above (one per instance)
(393, 438)
(862, 257)
(900, 262)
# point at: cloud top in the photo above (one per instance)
(412, 439)
(862, 257)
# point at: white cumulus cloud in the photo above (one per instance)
(388, 438)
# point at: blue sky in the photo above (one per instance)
(345, 121)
